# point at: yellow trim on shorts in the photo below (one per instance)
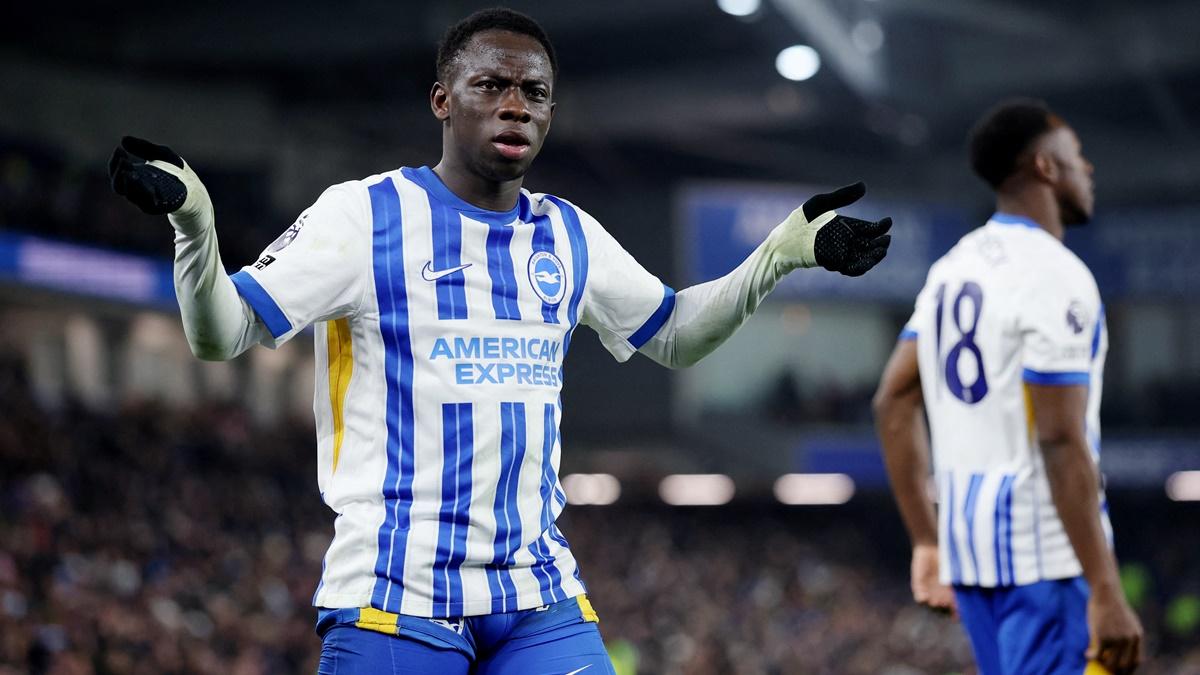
(378, 620)
(585, 609)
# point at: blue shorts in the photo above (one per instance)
(1038, 629)
(557, 639)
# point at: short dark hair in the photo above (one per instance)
(1000, 138)
(497, 18)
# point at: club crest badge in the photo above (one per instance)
(547, 276)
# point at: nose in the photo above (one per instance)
(513, 108)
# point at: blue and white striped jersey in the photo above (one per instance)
(441, 330)
(1008, 305)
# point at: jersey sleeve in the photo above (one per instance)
(316, 270)
(625, 304)
(921, 309)
(1057, 322)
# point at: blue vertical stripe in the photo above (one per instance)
(500, 267)
(1008, 547)
(997, 550)
(558, 537)
(454, 516)
(1002, 537)
(951, 539)
(1097, 332)
(579, 265)
(544, 567)
(392, 295)
(447, 254)
(969, 514)
(560, 497)
(543, 240)
(508, 518)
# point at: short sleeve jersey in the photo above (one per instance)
(1007, 306)
(441, 330)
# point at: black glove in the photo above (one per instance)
(844, 244)
(154, 190)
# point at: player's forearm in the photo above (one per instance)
(218, 325)
(900, 423)
(1075, 486)
(707, 314)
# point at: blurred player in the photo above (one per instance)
(444, 301)
(1005, 352)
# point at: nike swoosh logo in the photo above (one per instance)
(580, 670)
(428, 274)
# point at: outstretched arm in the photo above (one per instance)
(900, 424)
(219, 325)
(813, 235)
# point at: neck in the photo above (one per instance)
(1036, 205)
(476, 190)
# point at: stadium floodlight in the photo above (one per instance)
(597, 489)
(739, 7)
(798, 62)
(696, 489)
(796, 489)
(867, 36)
(1184, 486)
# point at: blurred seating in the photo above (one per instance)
(161, 541)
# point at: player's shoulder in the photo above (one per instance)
(543, 203)
(979, 252)
(356, 193)
(1047, 261)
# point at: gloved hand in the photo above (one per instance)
(815, 234)
(159, 182)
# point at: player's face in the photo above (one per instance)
(498, 104)
(1074, 188)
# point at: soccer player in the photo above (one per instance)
(1005, 353)
(444, 300)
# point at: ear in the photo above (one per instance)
(439, 101)
(1044, 167)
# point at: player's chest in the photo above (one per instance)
(457, 273)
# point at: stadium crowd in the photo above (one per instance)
(47, 192)
(148, 540)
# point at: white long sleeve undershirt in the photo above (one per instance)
(218, 323)
(707, 314)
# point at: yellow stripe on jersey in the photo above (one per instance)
(585, 609)
(378, 620)
(1094, 668)
(341, 366)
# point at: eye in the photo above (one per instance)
(537, 93)
(488, 85)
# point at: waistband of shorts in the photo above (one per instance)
(389, 623)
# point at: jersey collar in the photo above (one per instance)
(428, 179)
(1001, 218)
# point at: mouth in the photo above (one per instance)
(511, 144)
